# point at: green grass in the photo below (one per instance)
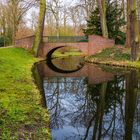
(21, 113)
(113, 53)
(66, 53)
(114, 56)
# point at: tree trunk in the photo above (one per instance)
(130, 103)
(127, 43)
(40, 28)
(123, 8)
(99, 113)
(14, 31)
(102, 9)
(134, 30)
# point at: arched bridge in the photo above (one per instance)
(89, 46)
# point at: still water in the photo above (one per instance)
(90, 102)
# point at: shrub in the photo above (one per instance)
(1, 41)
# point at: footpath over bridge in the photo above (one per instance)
(88, 46)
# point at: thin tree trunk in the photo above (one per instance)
(40, 28)
(134, 30)
(123, 8)
(102, 9)
(130, 103)
(100, 112)
(127, 43)
(14, 22)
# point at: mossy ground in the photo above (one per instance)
(116, 56)
(21, 113)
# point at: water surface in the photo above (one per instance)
(90, 102)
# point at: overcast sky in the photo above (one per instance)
(36, 10)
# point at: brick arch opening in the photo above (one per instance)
(50, 52)
(48, 48)
(55, 68)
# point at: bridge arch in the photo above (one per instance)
(55, 68)
(49, 54)
(49, 48)
(52, 50)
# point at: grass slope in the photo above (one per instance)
(21, 113)
(116, 56)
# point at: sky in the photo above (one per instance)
(35, 10)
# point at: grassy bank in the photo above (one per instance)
(66, 53)
(21, 113)
(116, 56)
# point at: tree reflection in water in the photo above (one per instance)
(80, 110)
(109, 110)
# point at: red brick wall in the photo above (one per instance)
(98, 43)
(26, 42)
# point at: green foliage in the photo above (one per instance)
(115, 57)
(6, 40)
(115, 22)
(113, 93)
(113, 53)
(93, 24)
(22, 116)
(1, 41)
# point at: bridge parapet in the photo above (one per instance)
(26, 42)
(65, 39)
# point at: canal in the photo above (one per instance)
(88, 101)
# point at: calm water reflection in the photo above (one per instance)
(93, 103)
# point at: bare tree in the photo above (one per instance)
(16, 9)
(88, 6)
(13, 12)
(55, 7)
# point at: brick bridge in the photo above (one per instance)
(94, 44)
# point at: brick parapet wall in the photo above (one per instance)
(26, 42)
(98, 43)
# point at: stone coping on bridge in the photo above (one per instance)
(25, 37)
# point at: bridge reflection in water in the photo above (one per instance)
(91, 103)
